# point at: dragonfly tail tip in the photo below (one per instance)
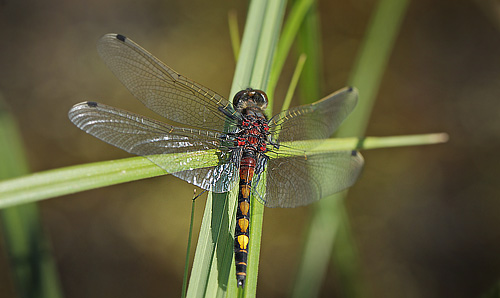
(241, 282)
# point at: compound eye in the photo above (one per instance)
(239, 96)
(261, 99)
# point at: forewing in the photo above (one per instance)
(160, 88)
(157, 141)
(300, 180)
(314, 121)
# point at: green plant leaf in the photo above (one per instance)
(213, 268)
(63, 181)
(289, 33)
(366, 76)
(31, 262)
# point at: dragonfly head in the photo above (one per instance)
(250, 100)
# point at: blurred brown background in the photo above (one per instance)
(425, 218)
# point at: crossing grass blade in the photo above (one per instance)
(293, 83)
(188, 248)
(369, 67)
(330, 212)
(53, 183)
(309, 43)
(292, 24)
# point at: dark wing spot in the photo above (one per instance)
(92, 104)
(349, 89)
(120, 37)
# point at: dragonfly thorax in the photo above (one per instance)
(253, 133)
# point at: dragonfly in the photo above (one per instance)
(244, 147)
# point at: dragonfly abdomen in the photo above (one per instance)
(241, 233)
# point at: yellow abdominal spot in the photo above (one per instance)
(244, 207)
(243, 223)
(243, 241)
(245, 191)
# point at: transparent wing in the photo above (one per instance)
(314, 121)
(159, 142)
(219, 179)
(300, 180)
(160, 88)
